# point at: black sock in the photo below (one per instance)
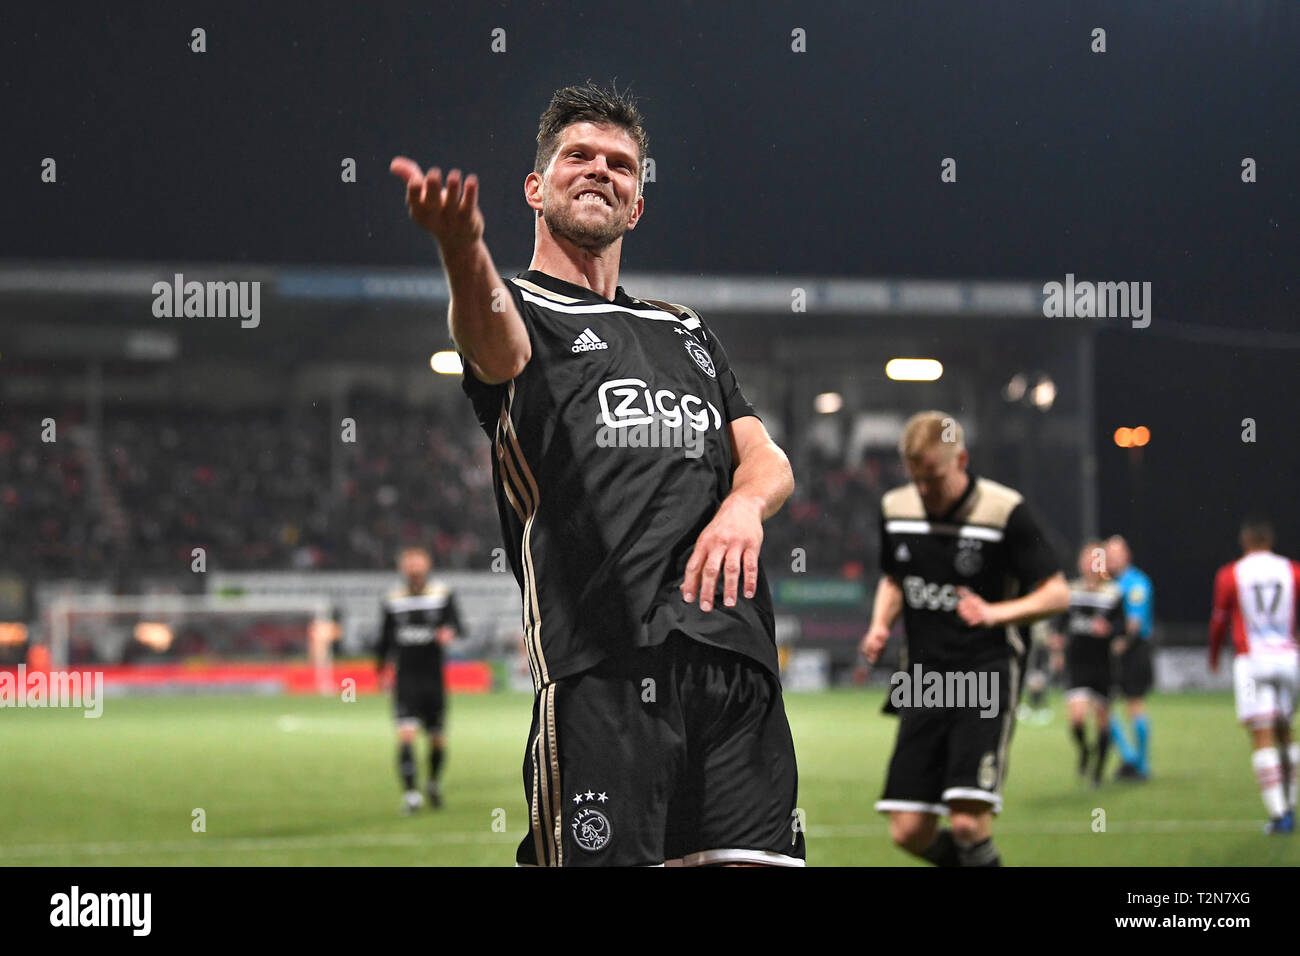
(1036, 699)
(435, 762)
(981, 854)
(1103, 747)
(943, 851)
(406, 765)
(1081, 741)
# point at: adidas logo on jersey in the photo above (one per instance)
(588, 341)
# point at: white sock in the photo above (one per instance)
(1268, 774)
(1293, 757)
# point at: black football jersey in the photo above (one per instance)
(612, 451)
(1087, 604)
(410, 632)
(988, 542)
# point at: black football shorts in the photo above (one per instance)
(1135, 671)
(423, 703)
(676, 754)
(1089, 667)
(952, 753)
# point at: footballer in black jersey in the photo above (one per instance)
(1094, 621)
(966, 565)
(632, 478)
(419, 619)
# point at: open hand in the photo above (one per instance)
(446, 210)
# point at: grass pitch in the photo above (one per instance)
(311, 781)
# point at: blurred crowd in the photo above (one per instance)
(266, 491)
(833, 516)
(46, 522)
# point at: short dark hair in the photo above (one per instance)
(589, 104)
(1257, 530)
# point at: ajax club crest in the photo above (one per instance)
(590, 827)
(702, 357)
(969, 560)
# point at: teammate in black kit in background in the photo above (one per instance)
(965, 563)
(1095, 618)
(418, 621)
(631, 476)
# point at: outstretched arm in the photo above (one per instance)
(485, 325)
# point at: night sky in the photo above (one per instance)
(1122, 165)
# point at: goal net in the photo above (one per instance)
(249, 643)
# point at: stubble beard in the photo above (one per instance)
(560, 219)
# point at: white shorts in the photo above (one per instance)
(1265, 686)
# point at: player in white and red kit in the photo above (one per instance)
(1255, 596)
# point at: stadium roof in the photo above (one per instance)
(728, 294)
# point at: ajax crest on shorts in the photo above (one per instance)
(591, 828)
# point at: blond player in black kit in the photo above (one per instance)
(966, 565)
(632, 479)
